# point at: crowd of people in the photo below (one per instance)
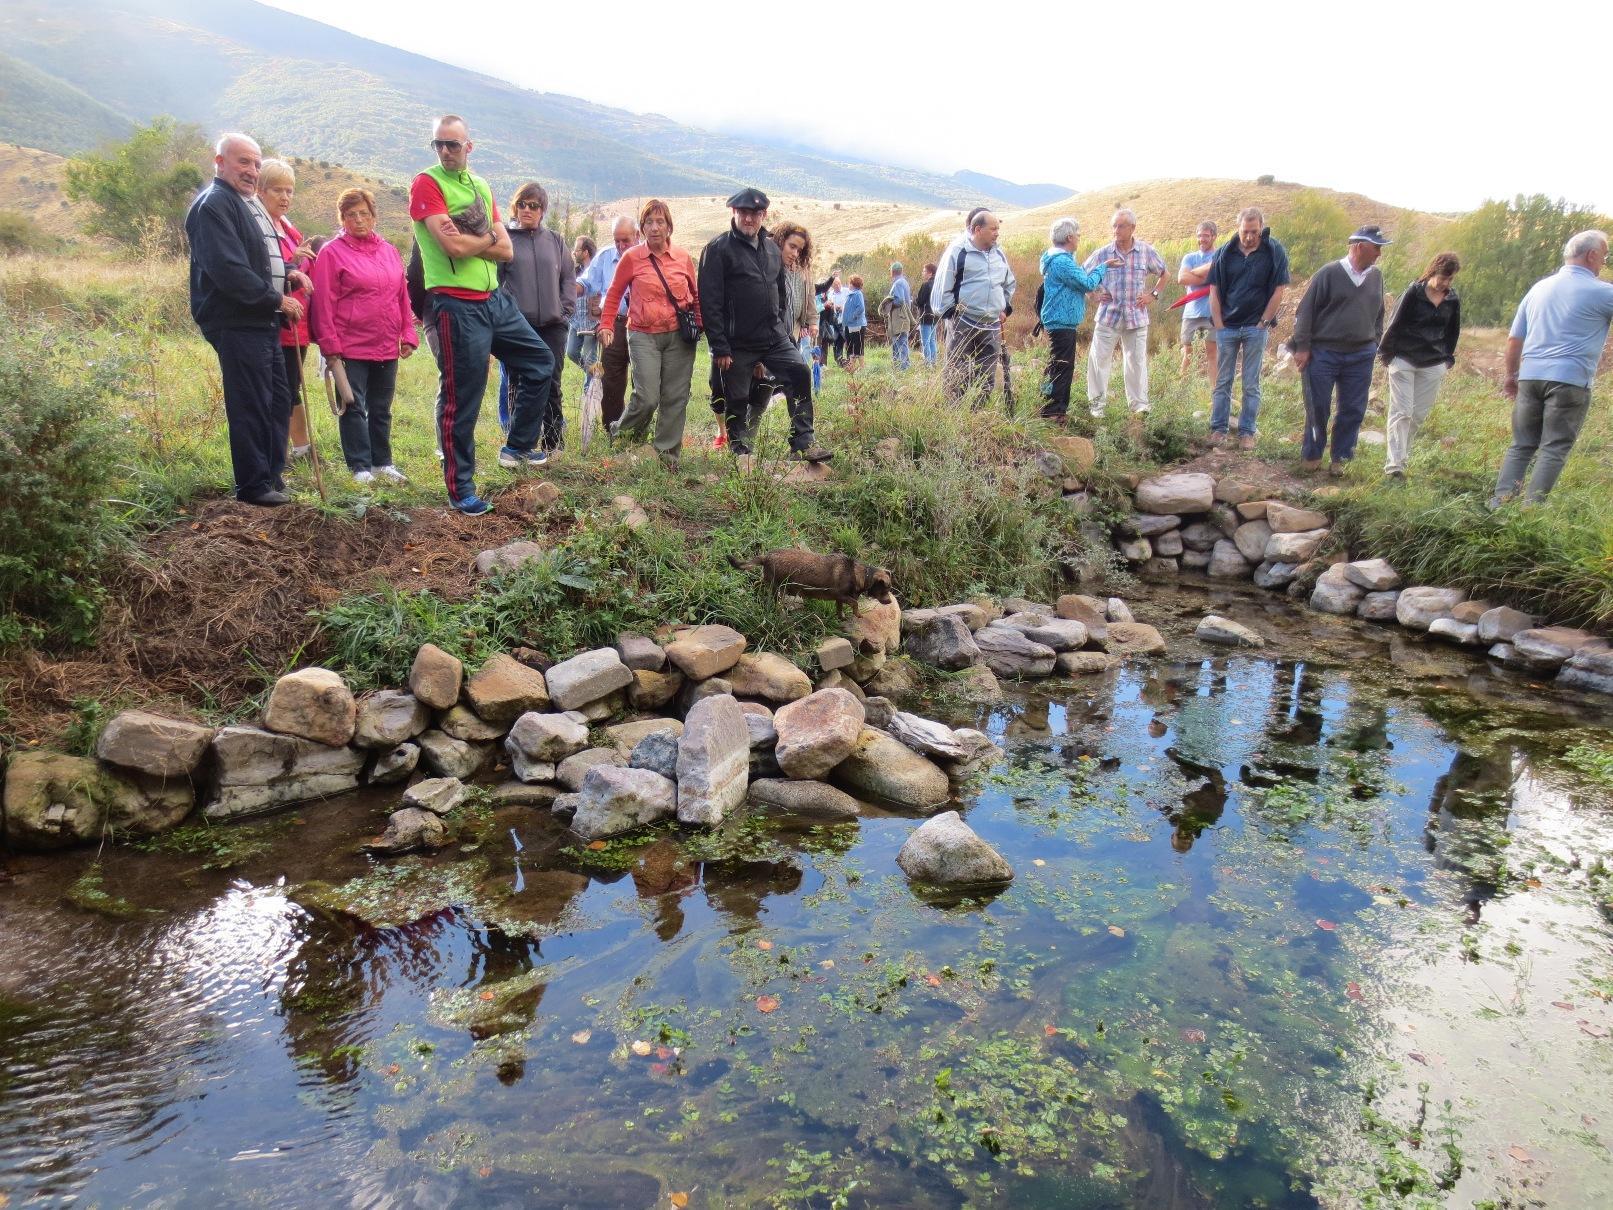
(480, 287)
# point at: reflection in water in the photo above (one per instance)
(1188, 978)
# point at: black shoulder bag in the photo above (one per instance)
(688, 326)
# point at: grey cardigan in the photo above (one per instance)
(541, 277)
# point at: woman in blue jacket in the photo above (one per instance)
(1065, 286)
(855, 320)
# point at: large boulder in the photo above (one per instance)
(1419, 606)
(1227, 562)
(587, 678)
(1286, 519)
(1177, 492)
(436, 677)
(713, 760)
(450, 757)
(768, 676)
(539, 742)
(881, 767)
(53, 800)
(504, 689)
(1134, 638)
(1250, 538)
(705, 651)
(1336, 592)
(759, 724)
(261, 771)
(813, 800)
(1546, 648)
(1061, 634)
(947, 851)
(387, 718)
(978, 752)
(148, 743)
(1011, 653)
(973, 614)
(875, 626)
(313, 703)
(816, 733)
(945, 642)
(1286, 546)
(977, 684)
(1086, 610)
(408, 831)
(1224, 632)
(1588, 670)
(927, 737)
(614, 800)
(1499, 625)
(1374, 575)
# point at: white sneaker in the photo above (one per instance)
(391, 472)
(363, 477)
(1097, 411)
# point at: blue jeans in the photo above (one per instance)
(582, 348)
(1228, 341)
(899, 350)
(1351, 373)
(469, 331)
(927, 343)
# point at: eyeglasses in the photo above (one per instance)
(529, 206)
(446, 144)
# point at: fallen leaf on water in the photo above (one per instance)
(658, 1069)
(1595, 1031)
(596, 845)
(1037, 861)
(485, 996)
(484, 1172)
(766, 1004)
(662, 1052)
(1193, 1035)
(581, 1036)
(764, 945)
(1531, 882)
(1353, 990)
(1562, 1004)
(641, 1048)
(827, 964)
(394, 1069)
(679, 1200)
(1418, 1055)
(1050, 1030)
(1116, 931)
(1519, 1154)
(1327, 926)
(933, 980)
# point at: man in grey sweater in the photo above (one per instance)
(1336, 334)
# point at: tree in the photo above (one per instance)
(1314, 229)
(143, 182)
(1507, 246)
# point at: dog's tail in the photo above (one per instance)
(743, 564)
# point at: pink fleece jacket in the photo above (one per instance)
(361, 302)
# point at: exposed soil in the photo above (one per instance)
(207, 607)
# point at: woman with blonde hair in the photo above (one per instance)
(663, 311)
(1419, 346)
(277, 186)
(363, 319)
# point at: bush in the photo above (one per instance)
(1508, 246)
(56, 447)
(1266, 179)
(20, 233)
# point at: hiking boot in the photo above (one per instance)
(1337, 467)
(1311, 464)
(1218, 438)
(269, 499)
(1246, 442)
(391, 473)
(472, 506)
(668, 460)
(812, 453)
(363, 477)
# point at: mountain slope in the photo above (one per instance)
(318, 92)
(36, 108)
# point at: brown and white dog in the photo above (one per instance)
(805, 573)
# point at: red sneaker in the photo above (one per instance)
(720, 441)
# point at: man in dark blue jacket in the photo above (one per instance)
(1248, 277)
(238, 292)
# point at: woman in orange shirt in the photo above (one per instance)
(662, 360)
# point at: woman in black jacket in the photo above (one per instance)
(1419, 346)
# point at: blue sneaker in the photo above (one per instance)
(473, 506)
(521, 460)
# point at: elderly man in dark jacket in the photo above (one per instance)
(744, 297)
(238, 292)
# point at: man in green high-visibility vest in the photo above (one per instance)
(461, 241)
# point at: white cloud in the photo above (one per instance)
(1432, 105)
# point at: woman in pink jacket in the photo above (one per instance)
(361, 317)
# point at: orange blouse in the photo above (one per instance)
(647, 308)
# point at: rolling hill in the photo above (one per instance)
(326, 95)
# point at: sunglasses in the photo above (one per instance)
(528, 206)
(446, 144)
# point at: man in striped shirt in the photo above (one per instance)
(1123, 314)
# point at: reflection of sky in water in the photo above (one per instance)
(1226, 870)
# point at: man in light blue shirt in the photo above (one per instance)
(974, 290)
(1552, 353)
(1194, 273)
(613, 359)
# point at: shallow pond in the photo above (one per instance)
(1284, 933)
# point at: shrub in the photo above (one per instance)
(56, 448)
(1266, 179)
(20, 233)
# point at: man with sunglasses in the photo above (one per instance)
(462, 242)
(613, 356)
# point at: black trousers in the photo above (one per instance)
(613, 360)
(783, 361)
(1060, 371)
(257, 405)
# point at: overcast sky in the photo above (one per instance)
(1435, 105)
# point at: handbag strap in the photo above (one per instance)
(677, 309)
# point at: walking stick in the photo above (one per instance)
(308, 419)
(1008, 381)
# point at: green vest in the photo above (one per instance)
(460, 192)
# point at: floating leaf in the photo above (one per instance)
(1565, 1005)
(658, 1069)
(933, 980)
(1050, 1030)
(679, 1200)
(1353, 990)
(1518, 1153)
(1037, 861)
(484, 1171)
(581, 1036)
(1327, 926)
(764, 945)
(766, 1004)
(827, 964)
(596, 845)
(663, 1053)
(1193, 1035)
(485, 996)
(641, 1048)
(1531, 883)
(1116, 931)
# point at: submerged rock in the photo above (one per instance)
(1134, 638)
(148, 743)
(408, 830)
(53, 800)
(1226, 633)
(615, 800)
(947, 851)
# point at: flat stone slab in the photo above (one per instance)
(587, 677)
(1178, 492)
(151, 744)
(1286, 519)
(1374, 575)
